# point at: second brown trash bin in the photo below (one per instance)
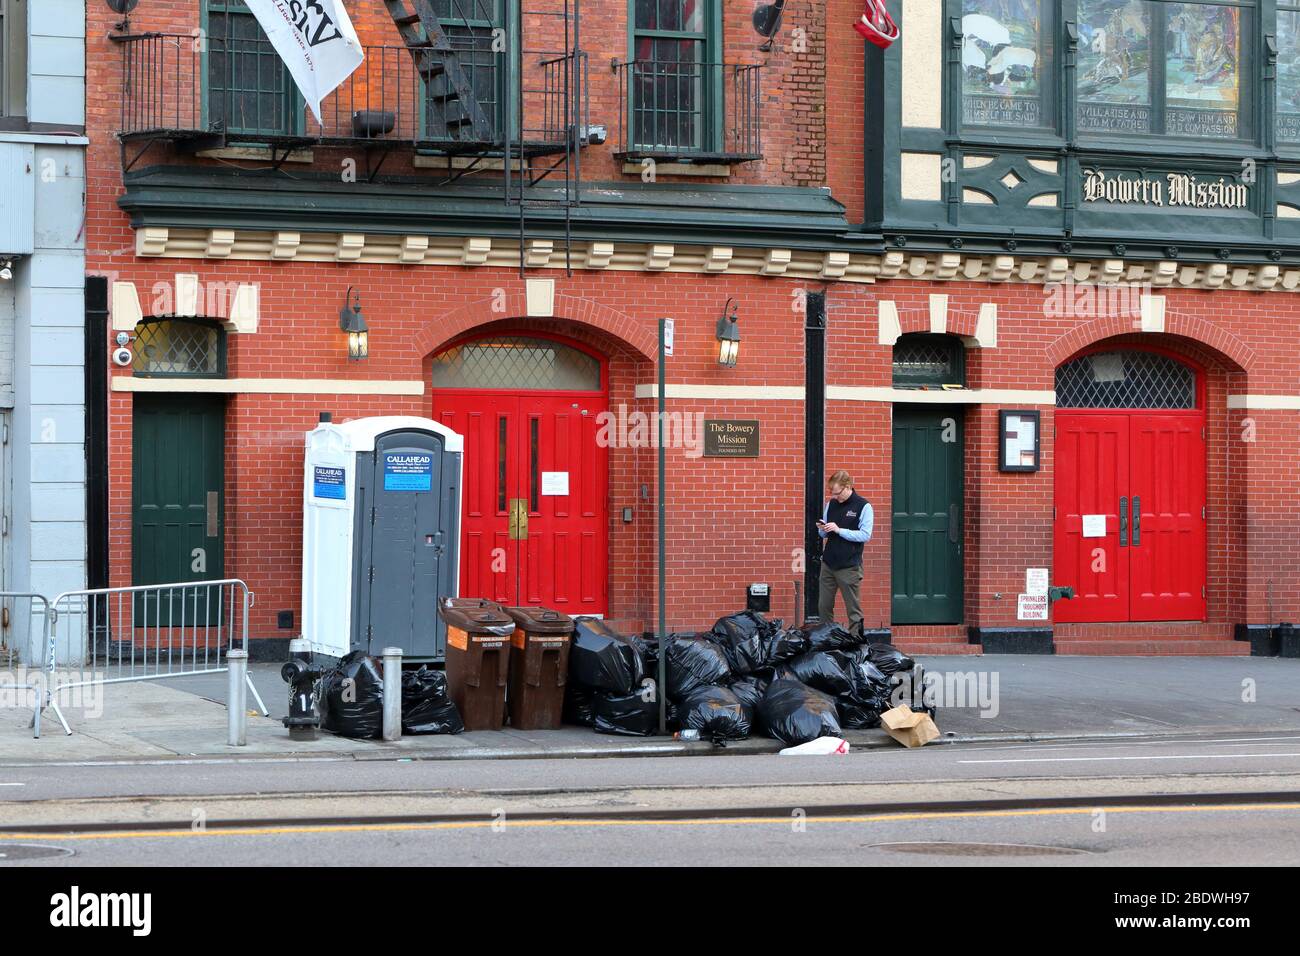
(539, 664)
(478, 656)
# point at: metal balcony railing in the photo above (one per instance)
(688, 111)
(228, 90)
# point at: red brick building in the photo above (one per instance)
(914, 242)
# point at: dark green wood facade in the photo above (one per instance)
(1076, 226)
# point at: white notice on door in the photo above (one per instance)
(555, 482)
(1094, 526)
(1031, 607)
(1036, 581)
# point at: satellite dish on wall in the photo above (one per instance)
(121, 6)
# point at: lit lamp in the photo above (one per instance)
(728, 337)
(351, 322)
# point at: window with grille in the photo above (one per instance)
(1125, 380)
(676, 85)
(926, 359)
(179, 348)
(249, 89)
(470, 26)
(515, 362)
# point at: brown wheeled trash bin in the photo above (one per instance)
(539, 663)
(478, 657)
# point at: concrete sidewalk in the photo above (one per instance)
(990, 698)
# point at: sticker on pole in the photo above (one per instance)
(1031, 607)
(668, 336)
(329, 483)
(406, 471)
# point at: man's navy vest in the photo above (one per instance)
(839, 553)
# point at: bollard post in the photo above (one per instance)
(392, 693)
(237, 699)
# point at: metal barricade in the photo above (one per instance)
(34, 660)
(147, 632)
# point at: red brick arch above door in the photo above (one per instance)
(638, 335)
(1188, 326)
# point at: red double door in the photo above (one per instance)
(1134, 483)
(535, 514)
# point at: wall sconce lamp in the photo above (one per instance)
(728, 336)
(352, 322)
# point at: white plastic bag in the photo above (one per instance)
(817, 748)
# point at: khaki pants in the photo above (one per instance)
(847, 581)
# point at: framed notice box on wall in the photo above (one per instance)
(1018, 445)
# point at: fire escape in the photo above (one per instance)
(539, 123)
(466, 85)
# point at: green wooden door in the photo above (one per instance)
(178, 509)
(927, 515)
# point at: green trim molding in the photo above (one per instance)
(211, 198)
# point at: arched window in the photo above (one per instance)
(1125, 379)
(922, 358)
(180, 348)
(516, 362)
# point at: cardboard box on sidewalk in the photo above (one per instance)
(908, 728)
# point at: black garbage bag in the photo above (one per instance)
(629, 715)
(765, 650)
(648, 645)
(871, 687)
(352, 697)
(603, 659)
(826, 671)
(735, 628)
(795, 713)
(694, 661)
(716, 713)
(426, 706)
(750, 690)
(577, 705)
(889, 659)
(830, 637)
(855, 716)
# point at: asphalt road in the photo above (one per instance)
(1249, 836)
(1194, 801)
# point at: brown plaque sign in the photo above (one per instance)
(725, 438)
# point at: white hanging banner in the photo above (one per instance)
(316, 41)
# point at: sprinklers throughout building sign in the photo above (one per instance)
(1168, 189)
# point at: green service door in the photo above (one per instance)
(927, 521)
(178, 514)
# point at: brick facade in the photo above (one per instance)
(731, 522)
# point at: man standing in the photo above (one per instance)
(845, 527)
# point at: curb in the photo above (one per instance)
(651, 747)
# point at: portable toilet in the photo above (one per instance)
(381, 535)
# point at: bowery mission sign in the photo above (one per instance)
(730, 439)
(1171, 189)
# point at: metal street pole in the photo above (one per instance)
(662, 632)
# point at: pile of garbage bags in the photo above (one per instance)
(746, 675)
(352, 700)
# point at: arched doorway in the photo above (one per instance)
(535, 513)
(1130, 486)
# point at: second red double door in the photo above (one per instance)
(534, 518)
(1138, 477)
